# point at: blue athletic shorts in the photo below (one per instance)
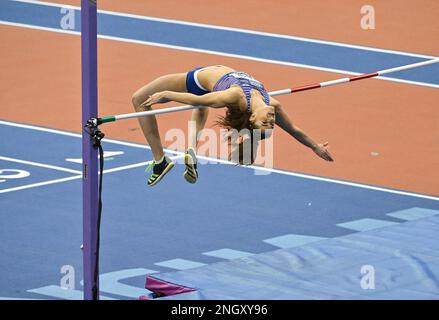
(191, 84)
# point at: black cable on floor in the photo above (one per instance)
(97, 136)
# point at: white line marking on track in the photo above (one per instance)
(242, 30)
(42, 165)
(107, 154)
(213, 160)
(230, 55)
(136, 165)
(39, 184)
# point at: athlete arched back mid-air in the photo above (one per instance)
(248, 107)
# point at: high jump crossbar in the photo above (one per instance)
(98, 121)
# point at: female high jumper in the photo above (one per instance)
(248, 107)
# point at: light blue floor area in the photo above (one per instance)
(394, 262)
(365, 224)
(413, 213)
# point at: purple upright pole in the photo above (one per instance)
(89, 153)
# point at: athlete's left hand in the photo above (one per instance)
(158, 97)
(322, 151)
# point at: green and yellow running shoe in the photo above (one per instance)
(190, 160)
(159, 169)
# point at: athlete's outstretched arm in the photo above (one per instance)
(216, 99)
(199, 116)
(283, 121)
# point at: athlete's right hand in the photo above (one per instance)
(158, 97)
(322, 151)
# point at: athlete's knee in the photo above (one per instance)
(137, 100)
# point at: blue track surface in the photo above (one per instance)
(168, 227)
(232, 42)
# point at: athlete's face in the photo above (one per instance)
(263, 118)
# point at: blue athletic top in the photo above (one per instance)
(245, 81)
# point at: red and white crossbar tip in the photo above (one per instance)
(353, 78)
